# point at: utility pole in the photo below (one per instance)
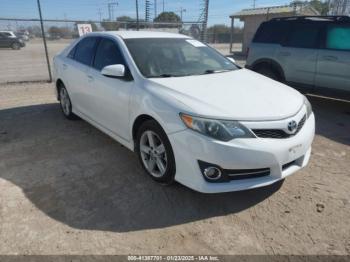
(155, 9)
(204, 20)
(181, 11)
(44, 40)
(100, 14)
(254, 3)
(111, 6)
(137, 15)
(163, 6)
(147, 10)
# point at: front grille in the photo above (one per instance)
(278, 133)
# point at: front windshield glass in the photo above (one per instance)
(174, 57)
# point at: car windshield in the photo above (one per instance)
(175, 57)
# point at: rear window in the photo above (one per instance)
(304, 35)
(338, 37)
(271, 32)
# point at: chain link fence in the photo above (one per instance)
(28, 63)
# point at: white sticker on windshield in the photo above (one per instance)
(195, 43)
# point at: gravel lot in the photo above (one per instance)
(66, 188)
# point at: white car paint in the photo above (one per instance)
(113, 105)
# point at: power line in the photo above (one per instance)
(111, 6)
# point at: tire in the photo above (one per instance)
(152, 155)
(268, 72)
(66, 104)
(15, 46)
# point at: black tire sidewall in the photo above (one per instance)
(152, 125)
(268, 72)
(15, 46)
(71, 115)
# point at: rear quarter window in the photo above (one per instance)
(338, 37)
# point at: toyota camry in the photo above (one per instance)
(191, 114)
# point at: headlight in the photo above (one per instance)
(218, 129)
(308, 107)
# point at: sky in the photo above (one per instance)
(219, 10)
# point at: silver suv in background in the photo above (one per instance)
(309, 53)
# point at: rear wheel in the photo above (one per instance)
(268, 72)
(66, 104)
(155, 152)
(15, 46)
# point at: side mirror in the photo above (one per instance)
(231, 59)
(114, 71)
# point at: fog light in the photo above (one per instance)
(212, 173)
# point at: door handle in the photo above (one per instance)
(90, 78)
(64, 66)
(330, 58)
(284, 54)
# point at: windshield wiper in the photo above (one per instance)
(163, 75)
(211, 71)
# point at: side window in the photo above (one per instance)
(271, 33)
(107, 53)
(338, 37)
(85, 50)
(304, 35)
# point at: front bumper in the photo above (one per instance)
(254, 153)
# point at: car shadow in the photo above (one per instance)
(332, 118)
(78, 176)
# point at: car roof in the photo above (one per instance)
(141, 34)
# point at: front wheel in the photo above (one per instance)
(15, 46)
(155, 152)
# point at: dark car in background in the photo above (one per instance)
(309, 53)
(9, 40)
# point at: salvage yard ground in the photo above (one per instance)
(66, 188)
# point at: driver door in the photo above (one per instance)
(109, 96)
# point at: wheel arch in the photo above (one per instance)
(59, 84)
(272, 64)
(139, 120)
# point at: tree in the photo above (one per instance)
(110, 25)
(125, 18)
(321, 6)
(167, 17)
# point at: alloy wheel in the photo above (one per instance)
(153, 154)
(65, 101)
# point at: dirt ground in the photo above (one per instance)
(29, 63)
(66, 188)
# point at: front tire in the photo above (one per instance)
(66, 104)
(155, 152)
(15, 46)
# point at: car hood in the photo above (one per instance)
(240, 95)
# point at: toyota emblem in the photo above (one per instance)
(292, 126)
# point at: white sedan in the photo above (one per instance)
(192, 115)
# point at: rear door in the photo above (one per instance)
(5, 41)
(333, 65)
(2, 40)
(76, 67)
(298, 54)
